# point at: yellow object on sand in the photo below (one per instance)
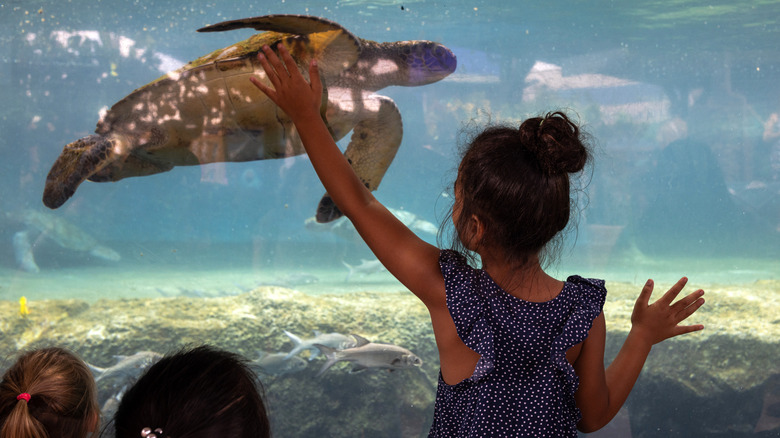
(23, 310)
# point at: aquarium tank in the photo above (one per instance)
(153, 253)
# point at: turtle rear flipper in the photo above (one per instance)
(372, 147)
(78, 161)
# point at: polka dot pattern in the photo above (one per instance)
(522, 386)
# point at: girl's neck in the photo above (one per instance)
(527, 281)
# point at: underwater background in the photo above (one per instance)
(681, 99)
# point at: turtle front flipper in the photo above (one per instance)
(78, 161)
(284, 23)
(334, 47)
(374, 143)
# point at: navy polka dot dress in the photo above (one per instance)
(522, 386)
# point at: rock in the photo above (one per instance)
(709, 383)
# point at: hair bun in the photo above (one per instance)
(555, 142)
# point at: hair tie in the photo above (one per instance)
(23, 396)
(147, 432)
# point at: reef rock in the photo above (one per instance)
(712, 383)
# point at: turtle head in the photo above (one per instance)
(426, 62)
(404, 63)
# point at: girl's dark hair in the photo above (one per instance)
(516, 181)
(62, 396)
(200, 392)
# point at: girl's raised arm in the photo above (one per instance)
(410, 259)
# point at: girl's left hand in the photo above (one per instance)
(291, 92)
(661, 320)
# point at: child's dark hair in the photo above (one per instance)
(517, 182)
(49, 392)
(199, 392)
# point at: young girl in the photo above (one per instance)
(48, 393)
(201, 392)
(522, 353)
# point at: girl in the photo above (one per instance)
(48, 393)
(521, 352)
(200, 392)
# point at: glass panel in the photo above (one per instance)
(681, 99)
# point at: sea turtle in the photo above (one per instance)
(41, 224)
(208, 111)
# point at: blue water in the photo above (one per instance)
(706, 205)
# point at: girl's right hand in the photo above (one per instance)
(660, 320)
(298, 98)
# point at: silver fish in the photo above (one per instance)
(128, 367)
(343, 228)
(110, 405)
(277, 364)
(370, 355)
(770, 411)
(336, 341)
(366, 267)
(297, 279)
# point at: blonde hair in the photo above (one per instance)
(62, 396)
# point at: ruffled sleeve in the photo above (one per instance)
(588, 296)
(468, 305)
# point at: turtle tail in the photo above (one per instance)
(77, 162)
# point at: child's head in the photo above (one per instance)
(516, 183)
(48, 392)
(201, 392)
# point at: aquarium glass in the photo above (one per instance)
(680, 99)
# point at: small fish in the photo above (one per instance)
(23, 310)
(619, 427)
(770, 410)
(297, 279)
(343, 228)
(111, 404)
(128, 367)
(366, 267)
(193, 293)
(337, 341)
(370, 355)
(277, 364)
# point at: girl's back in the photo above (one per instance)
(523, 380)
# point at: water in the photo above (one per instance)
(676, 96)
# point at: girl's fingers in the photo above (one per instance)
(683, 329)
(672, 293)
(688, 299)
(289, 62)
(269, 70)
(314, 77)
(274, 61)
(260, 85)
(690, 309)
(644, 297)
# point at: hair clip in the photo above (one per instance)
(147, 432)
